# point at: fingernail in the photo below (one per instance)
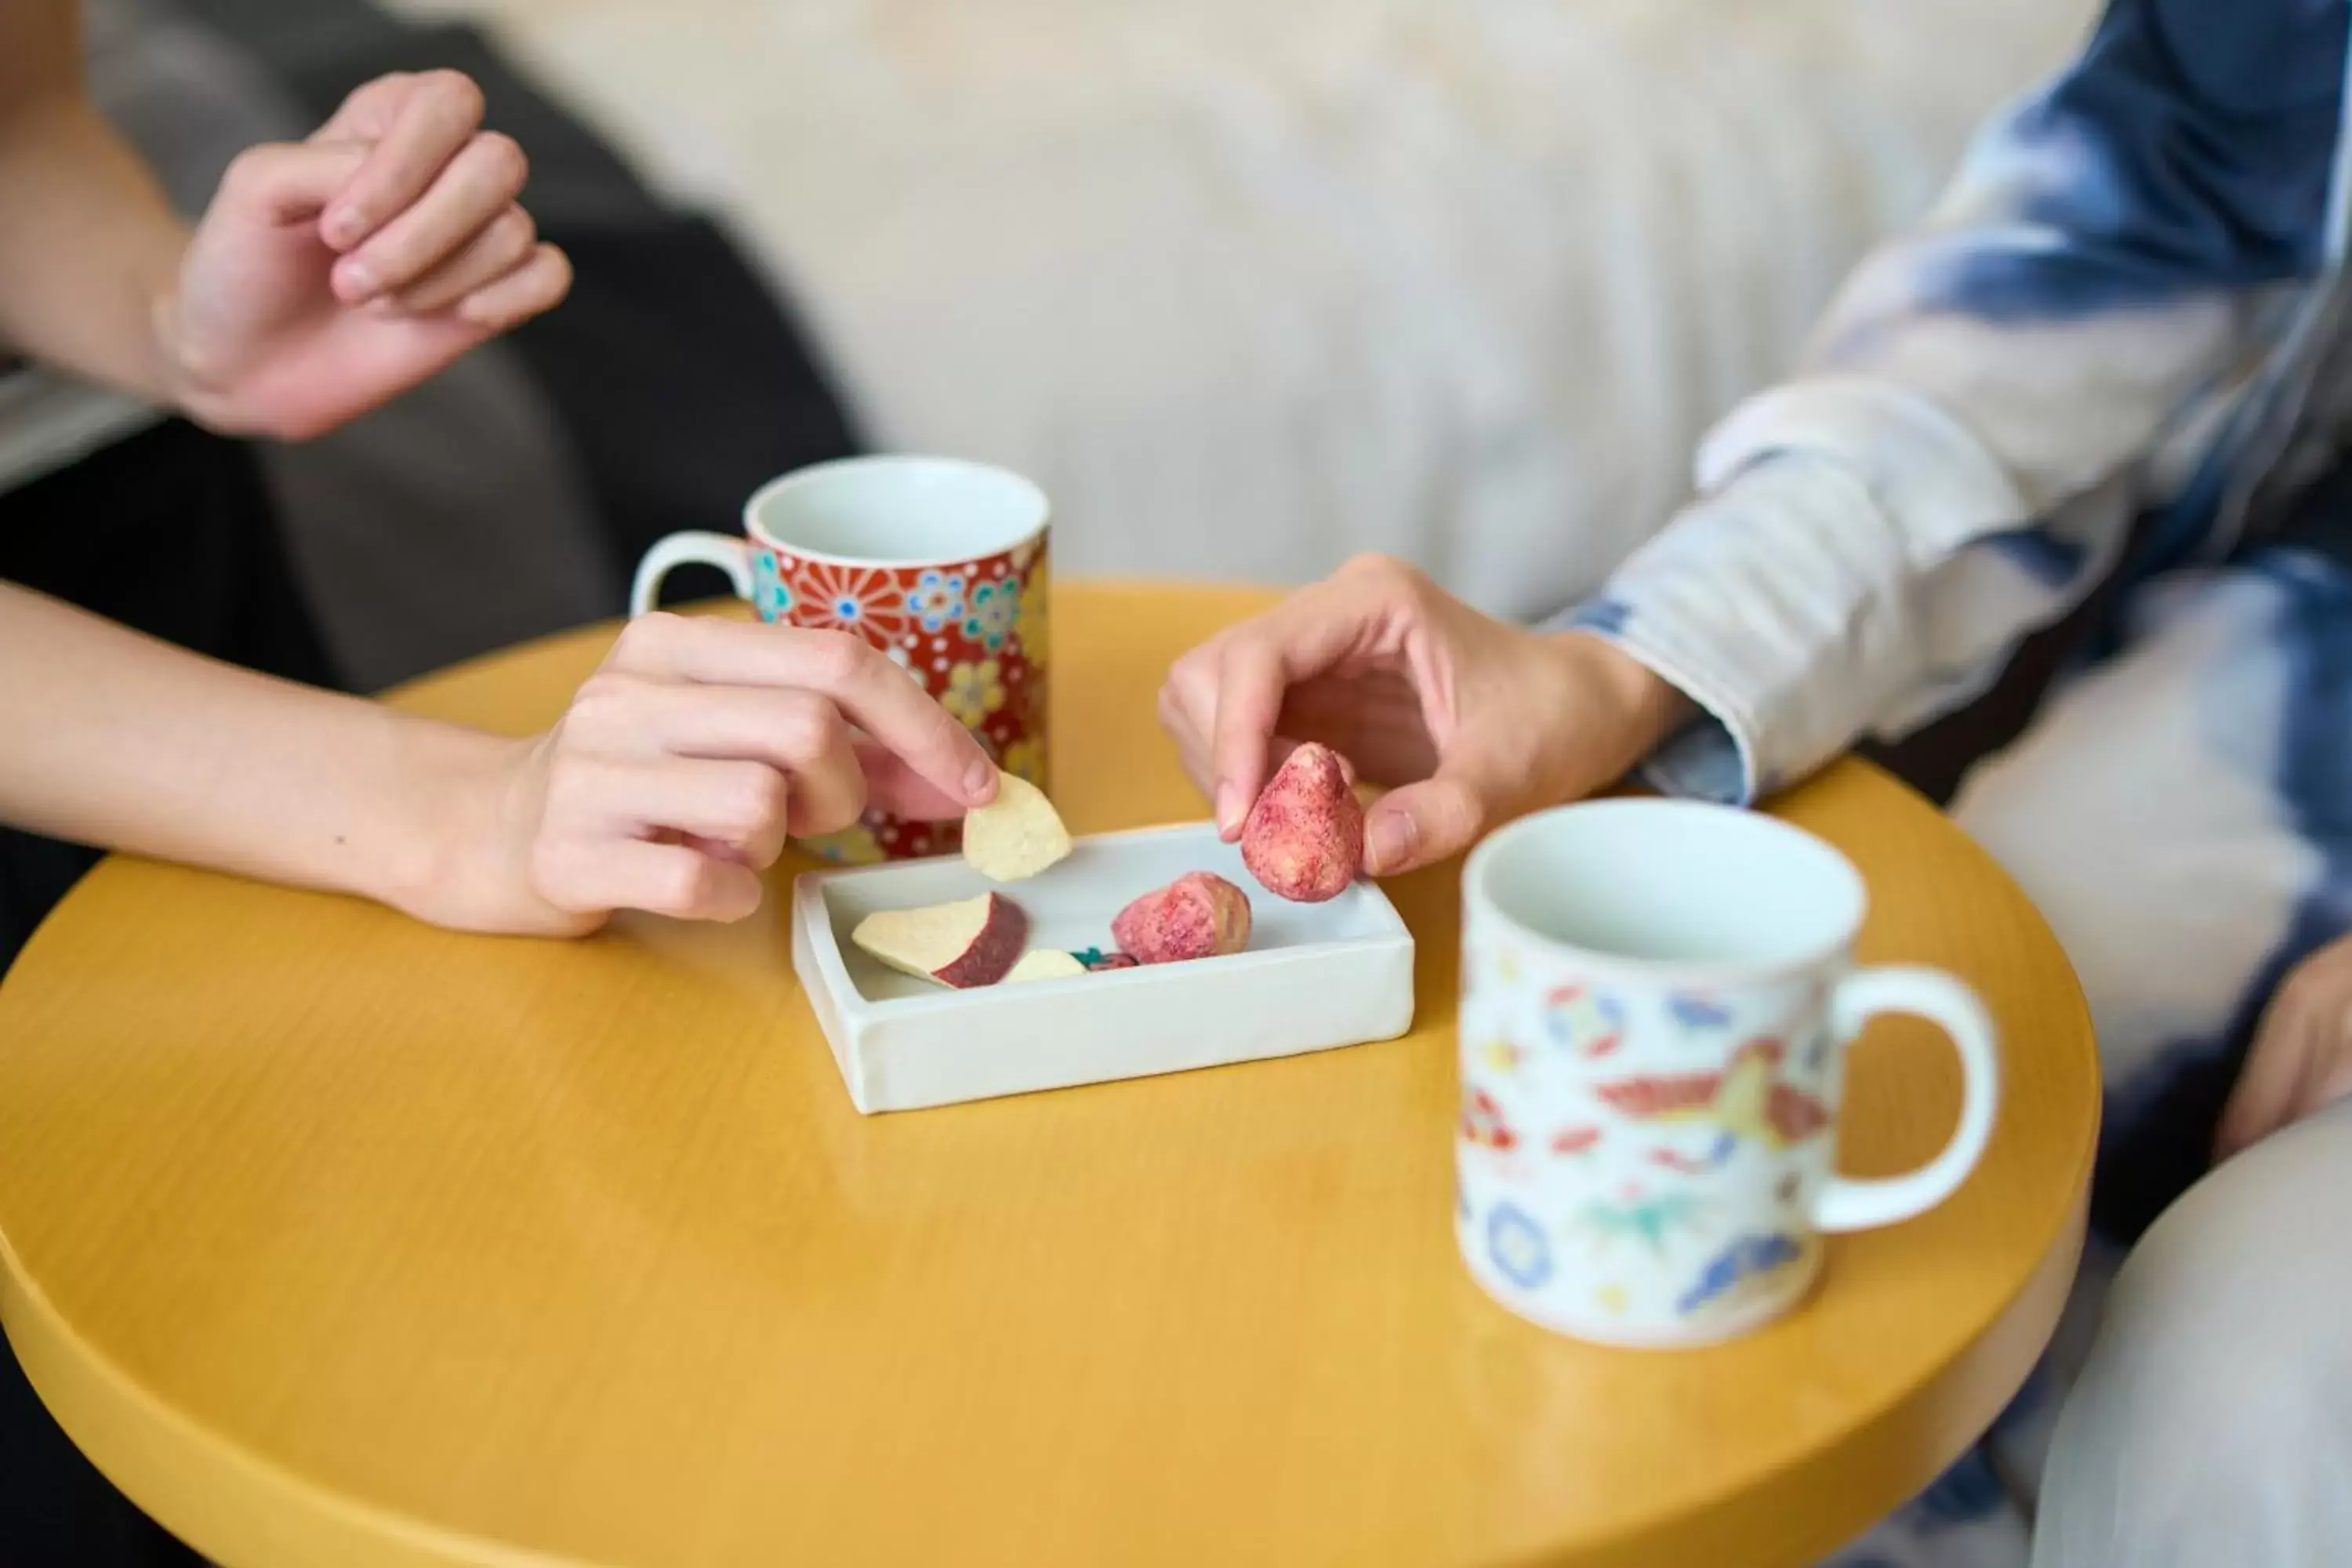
(1229, 808)
(359, 284)
(978, 780)
(1391, 835)
(343, 227)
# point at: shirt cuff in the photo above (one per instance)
(1706, 758)
(1781, 607)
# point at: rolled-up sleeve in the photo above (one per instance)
(1994, 397)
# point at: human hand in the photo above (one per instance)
(680, 768)
(2302, 1055)
(330, 275)
(1478, 722)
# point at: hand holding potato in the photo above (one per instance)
(682, 766)
(1476, 720)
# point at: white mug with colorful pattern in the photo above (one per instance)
(1656, 1000)
(938, 563)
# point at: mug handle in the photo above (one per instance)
(1847, 1203)
(731, 553)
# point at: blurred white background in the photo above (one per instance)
(1250, 285)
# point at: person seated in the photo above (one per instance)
(2116, 355)
(325, 278)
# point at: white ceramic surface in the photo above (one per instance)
(1656, 1000)
(1315, 977)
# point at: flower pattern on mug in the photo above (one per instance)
(771, 596)
(936, 600)
(1032, 623)
(974, 692)
(1517, 1245)
(1483, 1123)
(1582, 1020)
(1025, 758)
(973, 658)
(861, 599)
(1747, 1259)
(990, 611)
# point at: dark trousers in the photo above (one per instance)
(170, 531)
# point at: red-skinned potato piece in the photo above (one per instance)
(1304, 838)
(974, 941)
(1198, 915)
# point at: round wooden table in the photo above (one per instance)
(338, 1239)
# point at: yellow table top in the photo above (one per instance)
(338, 1239)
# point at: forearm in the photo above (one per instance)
(89, 243)
(113, 738)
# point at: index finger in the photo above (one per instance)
(433, 118)
(873, 693)
(1306, 636)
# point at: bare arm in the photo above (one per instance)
(108, 737)
(673, 778)
(89, 247)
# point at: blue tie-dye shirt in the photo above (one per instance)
(2117, 328)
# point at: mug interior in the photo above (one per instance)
(897, 511)
(1660, 882)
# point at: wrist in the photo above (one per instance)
(179, 381)
(453, 856)
(1646, 709)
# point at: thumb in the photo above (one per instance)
(1422, 824)
(286, 182)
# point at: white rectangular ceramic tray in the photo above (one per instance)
(1315, 977)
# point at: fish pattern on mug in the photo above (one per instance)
(1671, 1136)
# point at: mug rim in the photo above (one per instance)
(831, 468)
(1704, 972)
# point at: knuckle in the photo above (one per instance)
(248, 172)
(649, 636)
(753, 800)
(457, 93)
(836, 658)
(808, 727)
(517, 233)
(1385, 572)
(605, 698)
(390, 81)
(502, 161)
(683, 885)
(559, 275)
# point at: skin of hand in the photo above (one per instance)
(2301, 1059)
(668, 785)
(682, 765)
(1475, 721)
(330, 275)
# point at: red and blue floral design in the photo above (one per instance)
(973, 633)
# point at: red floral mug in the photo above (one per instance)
(938, 563)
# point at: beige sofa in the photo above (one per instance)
(1253, 284)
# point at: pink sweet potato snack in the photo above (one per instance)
(1303, 839)
(1198, 915)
